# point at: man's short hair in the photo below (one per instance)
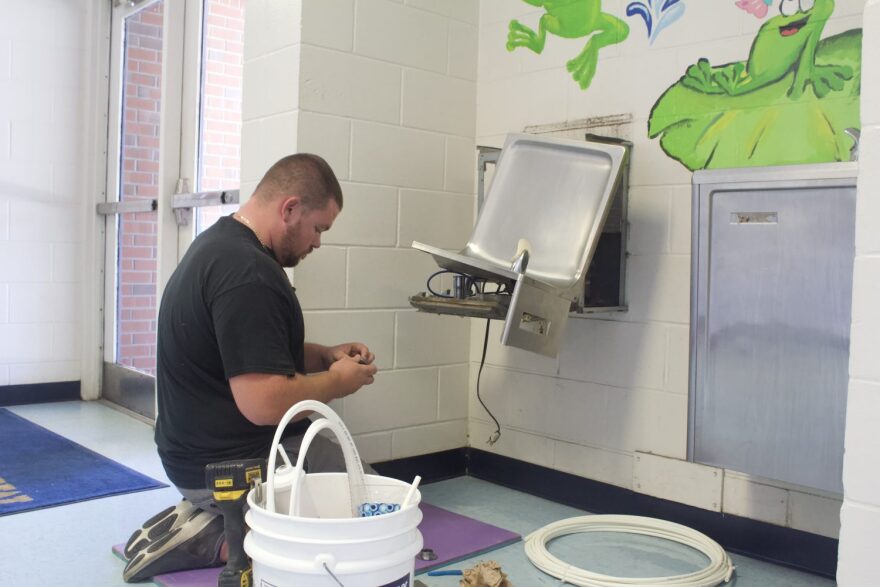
(305, 175)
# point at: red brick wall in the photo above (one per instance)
(220, 128)
(136, 295)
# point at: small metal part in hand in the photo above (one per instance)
(426, 554)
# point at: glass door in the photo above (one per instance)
(173, 166)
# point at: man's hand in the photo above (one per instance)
(356, 350)
(352, 374)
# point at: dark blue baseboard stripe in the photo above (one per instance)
(432, 467)
(784, 546)
(39, 393)
(776, 544)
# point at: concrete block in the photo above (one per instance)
(368, 217)
(654, 421)
(678, 359)
(513, 443)
(861, 479)
(463, 50)
(66, 263)
(42, 221)
(271, 83)
(25, 262)
(4, 303)
(454, 386)
(374, 448)
(435, 218)
(66, 341)
(463, 10)
(461, 165)
(857, 554)
(429, 339)
(510, 104)
(870, 92)
(613, 353)
(4, 219)
(265, 141)
(270, 26)
(676, 480)
(428, 438)
(374, 329)
(864, 342)
(44, 371)
(349, 85)
(4, 376)
(327, 136)
(606, 466)
(680, 220)
(401, 34)
(407, 158)
(866, 284)
(440, 103)
(659, 288)
(386, 278)
(867, 204)
(328, 23)
(31, 302)
(649, 222)
(320, 279)
(25, 343)
(397, 399)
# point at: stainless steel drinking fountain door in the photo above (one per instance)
(550, 197)
(772, 274)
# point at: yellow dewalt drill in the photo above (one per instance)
(230, 481)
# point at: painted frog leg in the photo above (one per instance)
(803, 75)
(611, 30)
(520, 35)
(829, 78)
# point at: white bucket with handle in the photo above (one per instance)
(306, 530)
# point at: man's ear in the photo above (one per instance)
(291, 208)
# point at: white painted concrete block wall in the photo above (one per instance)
(619, 386)
(42, 65)
(386, 92)
(860, 515)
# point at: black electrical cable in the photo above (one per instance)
(497, 434)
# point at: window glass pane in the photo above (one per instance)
(220, 104)
(139, 180)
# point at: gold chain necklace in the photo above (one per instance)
(251, 226)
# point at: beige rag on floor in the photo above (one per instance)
(485, 574)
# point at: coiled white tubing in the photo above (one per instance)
(719, 570)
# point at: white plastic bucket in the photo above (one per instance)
(321, 544)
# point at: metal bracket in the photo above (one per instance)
(126, 207)
(183, 201)
(486, 155)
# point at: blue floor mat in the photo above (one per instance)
(40, 469)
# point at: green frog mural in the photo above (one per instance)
(789, 103)
(571, 19)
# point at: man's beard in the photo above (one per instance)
(285, 254)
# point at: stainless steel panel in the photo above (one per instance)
(130, 389)
(773, 263)
(554, 193)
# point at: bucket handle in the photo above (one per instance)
(299, 470)
(352, 461)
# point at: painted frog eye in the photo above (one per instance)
(788, 7)
(807, 5)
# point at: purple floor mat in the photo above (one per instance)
(451, 536)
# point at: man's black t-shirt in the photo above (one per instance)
(227, 310)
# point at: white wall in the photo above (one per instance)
(385, 91)
(618, 389)
(860, 515)
(43, 56)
